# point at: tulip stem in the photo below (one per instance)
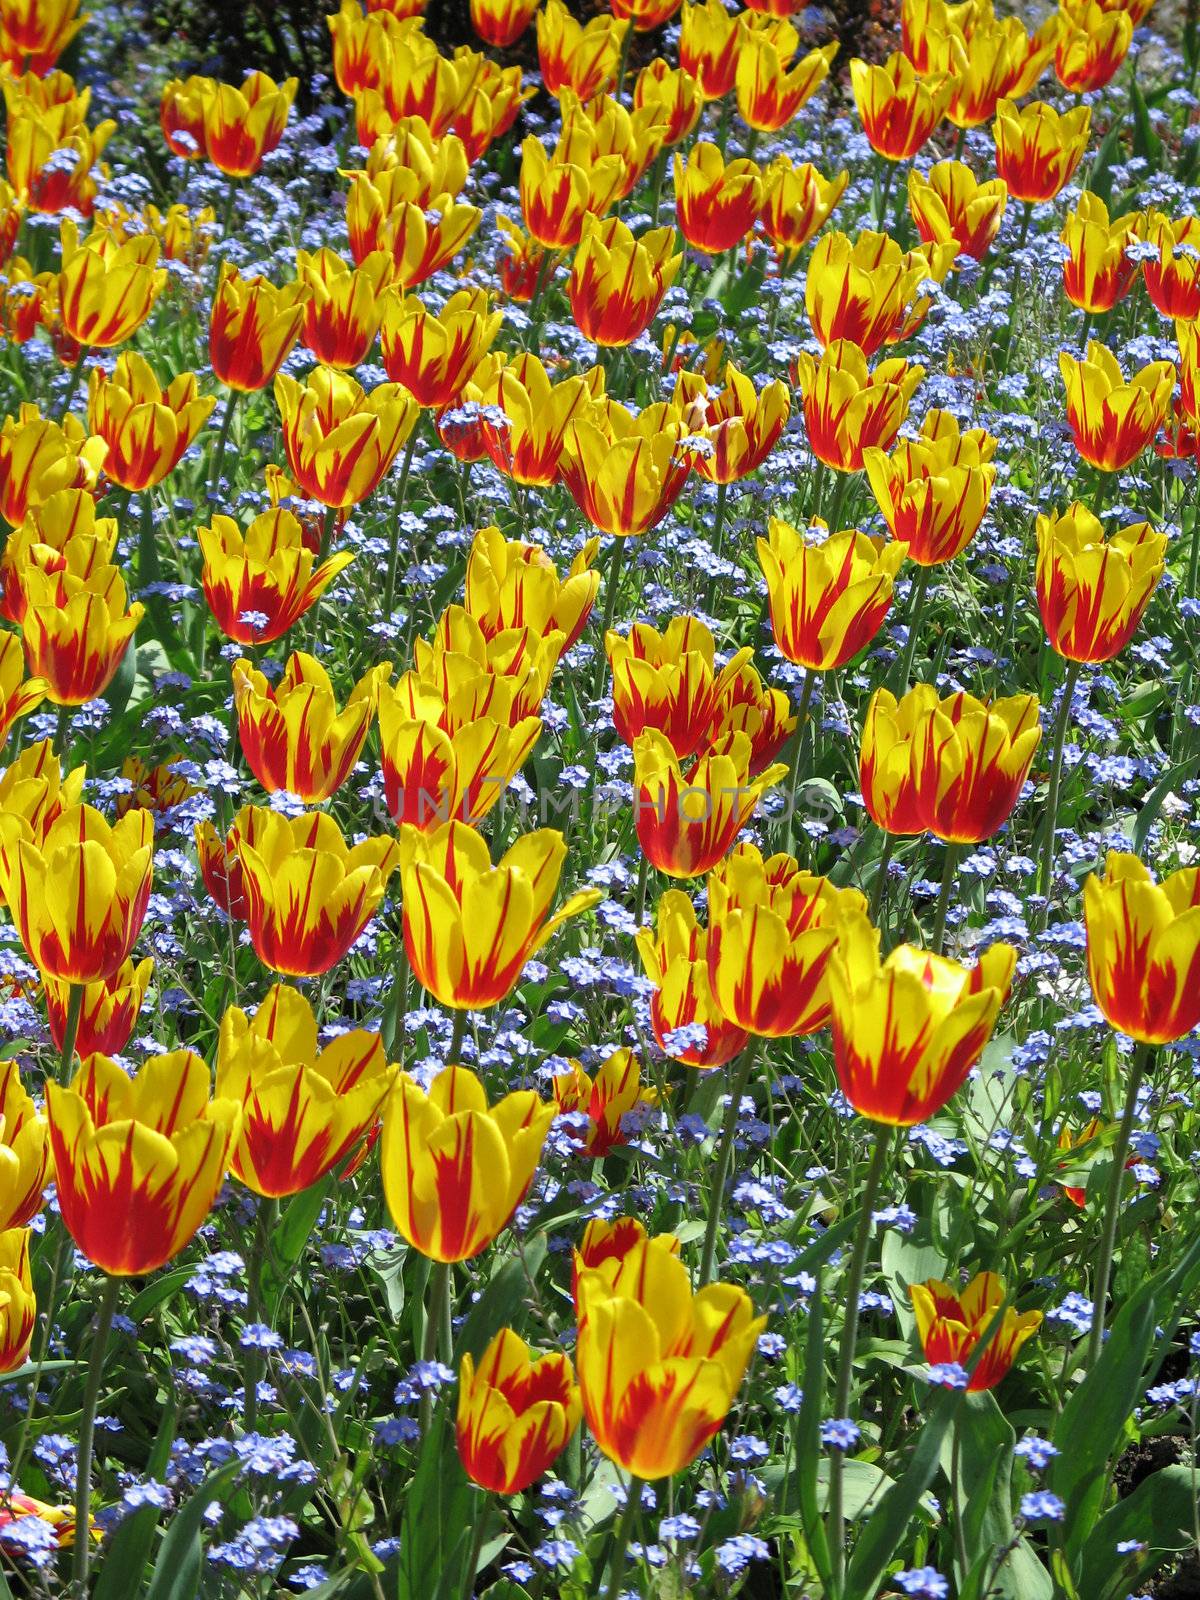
(611, 585)
(881, 873)
(400, 1002)
(87, 1433)
(61, 729)
(620, 1544)
(327, 531)
(1112, 1210)
(806, 694)
(643, 879)
(949, 875)
(66, 1057)
(916, 606)
(456, 1037)
(214, 478)
(439, 1329)
(1045, 876)
(724, 1152)
(885, 189)
(716, 540)
(389, 588)
(259, 1249)
(73, 386)
(845, 1370)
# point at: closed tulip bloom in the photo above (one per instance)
(893, 738)
(252, 328)
(899, 110)
(18, 1306)
(608, 1242)
(772, 930)
(454, 1168)
(24, 1151)
(106, 290)
(1038, 148)
(687, 822)
(746, 705)
(526, 440)
(35, 789)
(181, 115)
(617, 282)
(770, 92)
(146, 428)
(469, 926)
(675, 93)
(860, 289)
(76, 630)
(950, 1324)
(578, 56)
(687, 1023)
(973, 762)
(558, 193)
(949, 204)
(109, 1011)
(501, 22)
(1143, 948)
(848, 408)
(625, 472)
(53, 159)
(434, 353)
(829, 599)
(39, 458)
(19, 695)
(659, 1367)
(268, 575)
(1113, 420)
(505, 675)
(1173, 274)
(138, 1161)
(667, 681)
(40, 30)
(908, 1030)
(1098, 272)
(604, 1101)
(1092, 46)
(340, 440)
(308, 894)
(292, 733)
(303, 1108)
(934, 490)
(716, 202)
(511, 584)
(220, 866)
(241, 126)
(797, 202)
(710, 42)
(741, 423)
(344, 306)
(438, 767)
(516, 1413)
(78, 894)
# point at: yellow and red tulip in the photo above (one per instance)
(687, 1023)
(1173, 274)
(18, 1306)
(268, 574)
(1143, 948)
(1038, 148)
(1112, 418)
(687, 822)
(899, 108)
(617, 282)
(625, 471)
(716, 202)
(1092, 590)
(949, 204)
(848, 407)
(797, 201)
(603, 1101)
(253, 326)
(950, 1324)
(24, 1151)
(434, 353)
(243, 125)
(511, 584)
(343, 307)
(106, 290)
(146, 428)
(770, 91)
(76, 630)
(667, 681)
(108, 1011)
(581, 57)
(1098, 272)
(39, 458)
(1093, 44)
(934, 490)
(516, 1413)
(828, 599)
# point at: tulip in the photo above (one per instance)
(268, 575)
(220, 866)
(515, 1414)
(527, 444)
(182, 235)
(253, 327)
(949, 205)
(924, 23)
(1098, 272)
(438, 767)
(991, 59)
(646, 15)
(38, 31)
(674, 94)
(505, 676)
(1173, 275)
(624, 472)
(1092, 46)
(769, 92)
(894, 735)
(685, 824)
(1187, 337)
(106, 290)
(848, 408)
(19, 695)
(34, 788)
(796, 203)
(53, 158)
(18, 1306)
(1038, 149)
(908, 1030)
(293, 736)
(511, 584)
(951, 1323)
(746, 705)
(303, 1109)
(605, 1241)
(659, 1366)
(343, 307)
(828, 600)
(899, 110)
(558, 193)
(1113, 420)
(1070, 1144)
(469, 926)
(242, 126)
(934, 490)
(340, 440)
(716, 202)
(40, 458)
(146, 428)
(667, 681)
(433, 354)
(138, 1162)
(410, 167)
(860, 290)
(76, 631)
(522, 262)
(181, 115)
(501, 22)
(308, 894)
(1143, 947)
(577, 56)
(741, 423)
(710, 42)
(617, 282)
(24, 1151)
(772, 930)
(108, 1010)
(454, 1169)
(603, 1102)
(687, 1024)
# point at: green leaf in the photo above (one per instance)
(1146, 142)
(127, 1552)
(291, 1236)
(1100, 178)
(435, 1529)
(1157, 1514)
(985, 1470)
(158, 1292)
(808, 1440)
(1153, 803)
(502, 1303)
(176, 1573)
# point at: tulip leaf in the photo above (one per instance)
(808, 1440)
(1146, 142)
(435, 1530)
(1157, 1514)
(176, 1574)
(129, 1548)
(1171, 783)
(291, 1235)
(501, 1305)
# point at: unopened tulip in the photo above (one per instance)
(253, 326)
(828, 599)
(1038, 148)
(746, 705)
(1143, 947)
(108, 1011)
(685, 824)
(146, 428)
(259, 583)
(516, 1413)
(24, 1151)
(848, 407)
(76, 630)
(340, 440)
(1113, 419)
(950, 1324)
(1098, 272)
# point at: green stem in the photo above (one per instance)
(620, 1544)
(389, 587)
(1056, 761)
(73, 386)
(1112, 1208)
(916, 608)
(87, 1433)
(960, 1535)
(456, 1038)
(881, 873)
(612, 583)
(724, 1153)
(643, 879)
(437, 1330)
(715, 542)
(889, 176)
(806, 694)
(396, 1038)
(214, 477)
(61, 730)
(66, 1058)
(949, 875)
(259, 1250)
(327, 526)
(845, 1370)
